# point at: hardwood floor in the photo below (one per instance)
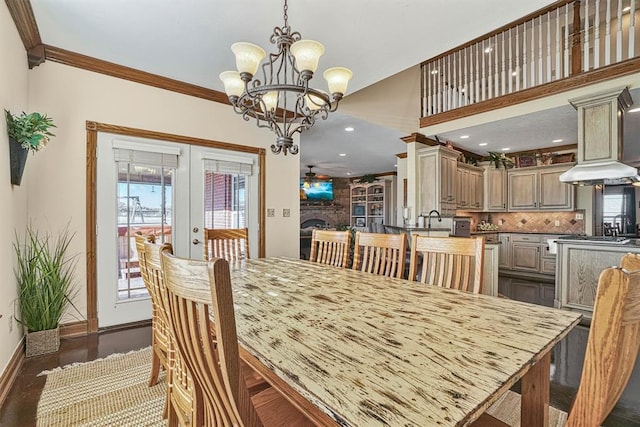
(20, 407)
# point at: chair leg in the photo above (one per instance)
(155, 369)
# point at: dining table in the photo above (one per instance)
(351, 348)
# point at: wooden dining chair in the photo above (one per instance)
(231, 244)
(330, 247)
(450, 262)
(382, 254)
(159, 339)
(612, 349)
(200, 291)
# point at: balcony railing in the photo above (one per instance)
(552, 44)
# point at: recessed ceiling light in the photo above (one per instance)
(349, 129)
(348, 173)
(557, 140)
(488, 50)
(434, 72)
(626, 9)
(395, 166)
(483, 144)
(515, 73)
(634, 110)
(342, 154)
(506, 149)
(464, 136)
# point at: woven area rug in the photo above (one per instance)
(108, 392)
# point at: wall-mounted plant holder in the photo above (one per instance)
(18, 159)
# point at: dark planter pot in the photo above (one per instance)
(18, 158)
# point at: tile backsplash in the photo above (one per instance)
(530, 222)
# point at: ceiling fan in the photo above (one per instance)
(312, 176)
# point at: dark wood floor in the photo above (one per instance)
(20, 407)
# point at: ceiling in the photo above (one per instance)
(188, 40)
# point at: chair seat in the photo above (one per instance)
(506, 412)
(255, 382)
(275, 410)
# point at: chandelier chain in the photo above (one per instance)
(286, 15)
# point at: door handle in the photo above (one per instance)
(196, 242)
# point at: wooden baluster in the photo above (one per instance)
(619, 34)
(426, 75)
(477, 81)
(632, 29)
(533, 53)
(459, 84)
(466, 78)
(496, 76)
(607, 35)
(454, 86)
(517, 65)
(540, 64)
(511, 62)
(548, 79)
(566, 41)
(436, 85)
(585, 65)
(503, 75)
(489, 51)
(558, 68)
(596, 36)
(484, 92)
(524, 55)
(576, 48)
(448, 83)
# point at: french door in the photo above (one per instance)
(173, 191)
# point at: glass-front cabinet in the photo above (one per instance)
(370, 204)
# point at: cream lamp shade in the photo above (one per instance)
(307, 54)
(248, 57)
(233, 85)
(270, 100)
(338, 78)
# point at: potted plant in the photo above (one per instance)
(44, 273)
(27, 132)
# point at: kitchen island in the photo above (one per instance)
(579, 264)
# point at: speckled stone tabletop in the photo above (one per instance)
(369, 350)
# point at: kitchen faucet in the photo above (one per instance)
(429, 220)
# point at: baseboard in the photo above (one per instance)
(74, 329)
(11, 373)
(138, 324)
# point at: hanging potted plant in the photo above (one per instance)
(27, 132)
(44, 273)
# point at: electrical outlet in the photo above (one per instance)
(557, 223)
(579, 216)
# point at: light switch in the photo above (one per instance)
(271, 213)
(286, 213)
(579, 216)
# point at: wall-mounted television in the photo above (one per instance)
(316, 191)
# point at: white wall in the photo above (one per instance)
(13, 214)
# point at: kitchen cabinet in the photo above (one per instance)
(490, 269)
(527, 253)
(495, 189)
(531, 291)
(539, 188)
(437, 169)
(469, 187)
(370, 204)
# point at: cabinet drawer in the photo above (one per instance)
(548, 266)
(529, 238)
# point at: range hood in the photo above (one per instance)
(600, 141)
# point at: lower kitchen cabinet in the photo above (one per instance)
(531, 291)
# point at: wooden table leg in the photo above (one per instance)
(535, 394)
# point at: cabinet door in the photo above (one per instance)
(448, 172)
(495, 189)
(555, 195)
(523, 191)
(525, 291)
(504, 258)
(462, 188)
(477, 188)
(525, 256)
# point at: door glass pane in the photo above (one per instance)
(145, 200)
(225, 200)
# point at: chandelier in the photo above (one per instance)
(283, 101)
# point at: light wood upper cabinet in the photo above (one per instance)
(533, 189)
(437, 169)
(495, 189)
(477, 188)
(469, 187)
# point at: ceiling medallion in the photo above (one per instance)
(283, 101)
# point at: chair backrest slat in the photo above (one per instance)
(451, 262)
(231, 244)
(612, 347)
(330, 247)
(382, 254)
